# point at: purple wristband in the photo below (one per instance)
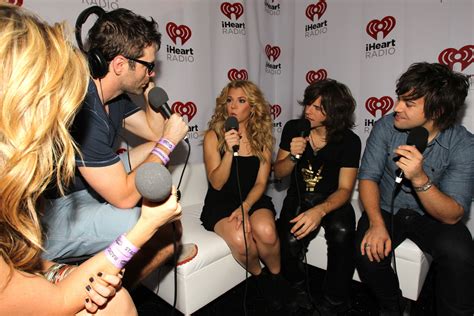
(117, 258)
(161, 154)
(120, 251)
(126, 246)
(166, 143)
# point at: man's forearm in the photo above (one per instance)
(439, 205)
(370, 197)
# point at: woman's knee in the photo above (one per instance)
(238, 245)
(265, 233)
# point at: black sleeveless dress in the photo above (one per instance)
(220, 204)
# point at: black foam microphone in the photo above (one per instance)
(304, 127)
(158, 99)
(153, 182)
(232, 123)
(417, 137)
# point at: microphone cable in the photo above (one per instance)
(243, 231)
(305, 259)
(175, 242)
(395, 191)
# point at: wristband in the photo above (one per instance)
(117, 259)
(293, 158)
(126, 245)
(167, 144)
(120, 251)
(161, 154)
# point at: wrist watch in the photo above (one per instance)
(424, 187)
(293, 158)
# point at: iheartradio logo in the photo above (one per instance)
(464, 56)
(384, 104)
(272, 51)
(174, 31)
(188, 109)
(16, 2)
(385, 26)
(316, 9)
(313, 76)
(235, 74)
(237, 9)
(275, 110)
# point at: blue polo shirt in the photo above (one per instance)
(95, 131)
(448, 162)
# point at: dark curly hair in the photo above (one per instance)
(122, 32)
(338, 106)
(443, 89)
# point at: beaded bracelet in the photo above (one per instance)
(167, 143)
(120, 251)
(161, 154)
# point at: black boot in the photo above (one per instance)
(392, 306)
(272, 287)
(329, 307)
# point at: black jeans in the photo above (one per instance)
(451, 247)
(339, 227)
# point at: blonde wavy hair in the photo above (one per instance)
(260, 124)
(43, 80)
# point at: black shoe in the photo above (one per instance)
(394, 306)
(327, 307)
(271, 288)
(298, 297)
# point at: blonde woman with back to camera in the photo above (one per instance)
(43, 82)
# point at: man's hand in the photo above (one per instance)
(175, 129)
(376, 243)
(411, 162)
(297, 146)
(306, 222)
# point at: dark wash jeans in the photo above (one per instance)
(451, 247)
(339, 227)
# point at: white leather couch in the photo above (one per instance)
(214, 271)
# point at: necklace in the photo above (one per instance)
(315, 147)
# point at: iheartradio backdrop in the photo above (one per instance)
(283, 45)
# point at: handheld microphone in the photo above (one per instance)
(153, 182)
(304, 126)
(417, 137)
(158, 98)
(232, 123)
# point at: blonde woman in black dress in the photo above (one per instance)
(222, 212)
